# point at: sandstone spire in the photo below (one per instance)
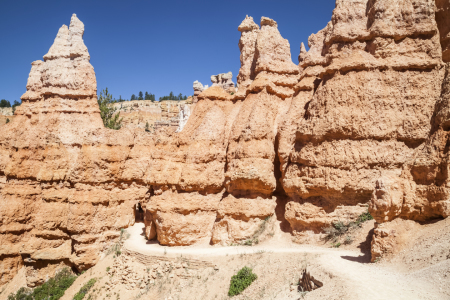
(303, 52)
(66, 70)
(247, 44)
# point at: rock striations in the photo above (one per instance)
(360, 123)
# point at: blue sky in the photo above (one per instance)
(143, 45)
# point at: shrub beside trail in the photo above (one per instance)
(241, 281)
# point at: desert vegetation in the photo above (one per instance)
(85, 289)
(340, 232)
(241, 281)
(110, 116)
(53, 289)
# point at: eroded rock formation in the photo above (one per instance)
(139, 113)
(362, 122)
(225, 81)
(367, 92)
(57, 205)
(198, 88)
(6, 113)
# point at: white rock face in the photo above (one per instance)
(198, 86)
(66, 70)
(223, 80)
(183, 116)
(6, 111)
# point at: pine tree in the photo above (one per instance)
(108, 111)
(5, 103)
(133, 97)
(141, 96)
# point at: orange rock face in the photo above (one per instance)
(363, 107)
(361, 122)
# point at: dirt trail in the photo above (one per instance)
(361, 280)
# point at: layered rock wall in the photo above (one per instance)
(367, 92)
(362, 122)
(137, 113)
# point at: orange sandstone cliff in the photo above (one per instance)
(362, 121)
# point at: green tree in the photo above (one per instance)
(110, 118)
(7, 120)
(133, 97)
(5, 103)
(141, 96)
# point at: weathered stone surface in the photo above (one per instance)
(6, 115)
(224, 80)
(247, 44)
(443, 23)
(57, 206)
(198, 88)
(351, 129)
(308, 216)
(362, 121)
(137, 114)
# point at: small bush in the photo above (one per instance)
(22, 294)
(336, 245)
(364, 217)
(241, 281)
(348, 240)
(335, 231)
(53, 289)
(85, 289)
(338, 229)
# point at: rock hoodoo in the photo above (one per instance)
(224, 80)
(361, 122)
(198, 88)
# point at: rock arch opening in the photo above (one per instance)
(138, 213)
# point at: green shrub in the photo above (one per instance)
(85, 289)
(339, 228)
(336, 245)
(53, 289)
(241, 281)
(364, 217)
(22, 294)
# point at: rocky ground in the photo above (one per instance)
(145, 270)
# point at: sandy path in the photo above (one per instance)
(366, 281)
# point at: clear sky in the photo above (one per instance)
(146, 45)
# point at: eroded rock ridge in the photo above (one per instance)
(360, 123)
